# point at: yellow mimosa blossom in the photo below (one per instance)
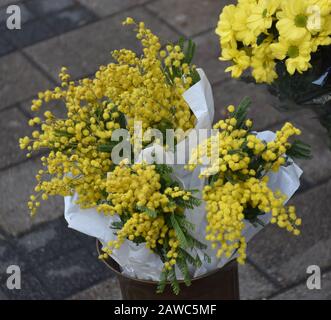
(238, 192)
(130, 89)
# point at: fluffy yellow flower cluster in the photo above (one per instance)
(152, 230)
(260, 33)
(144, 204)
(142, 90)
(129, 187)
(230, 204)
(238, 186)
(148, 88)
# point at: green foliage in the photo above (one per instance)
(179, 232)
(173, 281)
(163, 281)
(165, 173)
(150, 212)
(299, 150)
(191, 203)
(241, 112)
(183, 267)
(107, 147)
(182, 228)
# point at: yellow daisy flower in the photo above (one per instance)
(263, 63)
(239, 57)
(295, 20)
(239, 24)
(224, 28)
(260, 19)
(297, 54)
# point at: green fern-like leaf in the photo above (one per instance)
(195, 243)
(185, 224)
(299, 150)
(189, 258)
(179, 232)
(163, 281)
(150, 212)
(183, 267)
(174, 282)
(241, 113)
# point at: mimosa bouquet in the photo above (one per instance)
(119, 159)
(287, 45)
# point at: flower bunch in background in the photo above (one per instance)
(261, 33)
(286, 44)
(238, 188)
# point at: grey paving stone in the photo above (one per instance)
(32, 32)
(318, 169)
(52, 54)
(31, 289)
(261, 110)
(105, 7)
(7, 2)
(16, 184)
(14, 126)
(5, 46)
(2, 296)
(41, 7)
(21, 80)
(72, 273)
(106, 290)
(70, 19)
(47, 242)
(301, 292)
(206, 57)
(9, 256)
(85, 49)
(189, 17)
(286, 257)
(252, 284)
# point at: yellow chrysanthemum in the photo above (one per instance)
(297, 29)
(260, 19)
(323, 38)
(297, 54)
(297, 20)
(239, 24)
(263, 64)
(239, 57)
(224, 27)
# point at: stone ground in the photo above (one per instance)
(58, 263)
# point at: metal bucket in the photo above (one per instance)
(221, 284)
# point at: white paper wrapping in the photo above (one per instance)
(136, 260)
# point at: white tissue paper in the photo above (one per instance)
(136, 260)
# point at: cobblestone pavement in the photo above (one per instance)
(57, 262)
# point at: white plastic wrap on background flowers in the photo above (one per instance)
(136, 260)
